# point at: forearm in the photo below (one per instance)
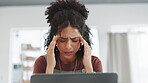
(89, 68)
(49, 70)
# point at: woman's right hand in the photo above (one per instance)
(51, 62)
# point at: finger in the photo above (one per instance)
(83, 40)
(53, 42)
(86, 45)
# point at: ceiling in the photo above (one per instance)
(46, 2)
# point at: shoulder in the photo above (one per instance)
(97, 64)
(40, 65)
(40, 60)
(94, 58)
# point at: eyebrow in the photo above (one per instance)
(63, 37)
(70, 38)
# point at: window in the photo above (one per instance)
(137, 44)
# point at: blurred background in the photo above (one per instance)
(120, 37)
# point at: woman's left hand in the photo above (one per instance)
(87, 56)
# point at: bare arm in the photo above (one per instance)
(51, 62)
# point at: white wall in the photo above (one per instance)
(106, 15)
(16, 17)
(102, 15)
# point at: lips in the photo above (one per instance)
(68, 53)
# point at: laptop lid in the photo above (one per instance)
(75, 78)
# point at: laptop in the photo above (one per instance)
(75, 78)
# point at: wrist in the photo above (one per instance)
(89, 69)
(49, 70)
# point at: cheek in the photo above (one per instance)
(60, 46)
(76, 46)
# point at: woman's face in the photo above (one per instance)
(68, 42)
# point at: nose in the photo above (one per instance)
(68, 45)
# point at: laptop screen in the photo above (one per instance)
(75, 78)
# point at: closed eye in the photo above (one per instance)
(75, 39)
(62, 39)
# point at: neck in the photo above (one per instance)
(67, 60)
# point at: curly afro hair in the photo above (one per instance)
(62, 13)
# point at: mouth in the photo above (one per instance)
(68, 53)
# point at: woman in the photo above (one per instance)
(68, 45)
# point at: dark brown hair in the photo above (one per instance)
(62, 13)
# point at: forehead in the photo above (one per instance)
(70, 32)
